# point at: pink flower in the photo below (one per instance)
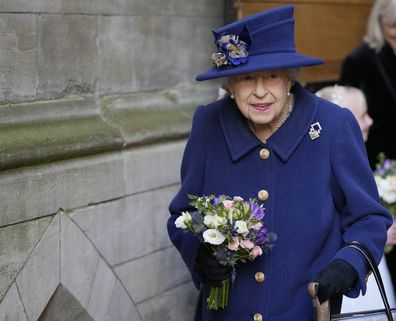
(228, 204)
(393, 182)
(246, 244)
(256, 251)
(257, 226)
(234, 244)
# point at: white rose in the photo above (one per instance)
(241, 227)
(209, 220)
(183, 220)
(213, 236)
(214, 221)
(385, 189)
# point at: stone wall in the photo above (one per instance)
(96, 103)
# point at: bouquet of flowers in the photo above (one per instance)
(385, 177)
(232, 228)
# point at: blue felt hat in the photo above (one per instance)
(262, 41)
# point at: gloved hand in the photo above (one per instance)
(338, 277)
(212, 271)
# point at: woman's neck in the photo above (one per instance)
(265, 131)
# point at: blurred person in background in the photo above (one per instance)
(353, 99)
(372, 68)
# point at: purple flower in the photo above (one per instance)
(217, 199)
(380, 171)
(232, 49)
(257, 211)
(261, 236)
(387, 163)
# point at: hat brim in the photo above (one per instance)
(261, 63)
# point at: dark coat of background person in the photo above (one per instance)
(377, 79)
(375, 74)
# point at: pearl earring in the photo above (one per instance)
(288, 93)
(232, 96)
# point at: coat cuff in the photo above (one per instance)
(358, 262)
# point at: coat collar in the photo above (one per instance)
(240, 140)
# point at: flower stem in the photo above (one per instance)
(218, 296)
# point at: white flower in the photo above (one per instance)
(213, 236)
(214, 221)
(183, 220)
(219, 59)
(241, 227)
(386, 188)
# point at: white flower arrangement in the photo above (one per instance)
(232, 228)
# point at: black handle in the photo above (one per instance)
(374, 268)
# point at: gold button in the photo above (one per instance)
(264, 153)
(263, 195)
(260, 277)
(257, 317)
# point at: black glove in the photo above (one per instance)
(337, 278)
(212, 271)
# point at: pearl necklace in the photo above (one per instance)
(286, 111)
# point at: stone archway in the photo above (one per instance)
(63, 306)
(65, 278)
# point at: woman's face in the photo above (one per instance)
(389, 31)
(358, 106)
(260, 96)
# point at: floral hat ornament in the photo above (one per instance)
(259, 42)
(232, 49)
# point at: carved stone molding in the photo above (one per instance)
(45, 131)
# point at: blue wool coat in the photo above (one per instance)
(321, 194)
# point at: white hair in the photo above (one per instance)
(293, 73)
(382, 12)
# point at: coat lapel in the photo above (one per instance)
(286, 139)
(240, 140)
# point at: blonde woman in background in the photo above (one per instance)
(372, 68)
(354, 99)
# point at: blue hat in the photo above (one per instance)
(263, 41)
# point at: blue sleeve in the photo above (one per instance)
(363, 218)
(192, 182)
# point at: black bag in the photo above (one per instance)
(322, 311)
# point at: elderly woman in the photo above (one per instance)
(305, 162)
(372, 68)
